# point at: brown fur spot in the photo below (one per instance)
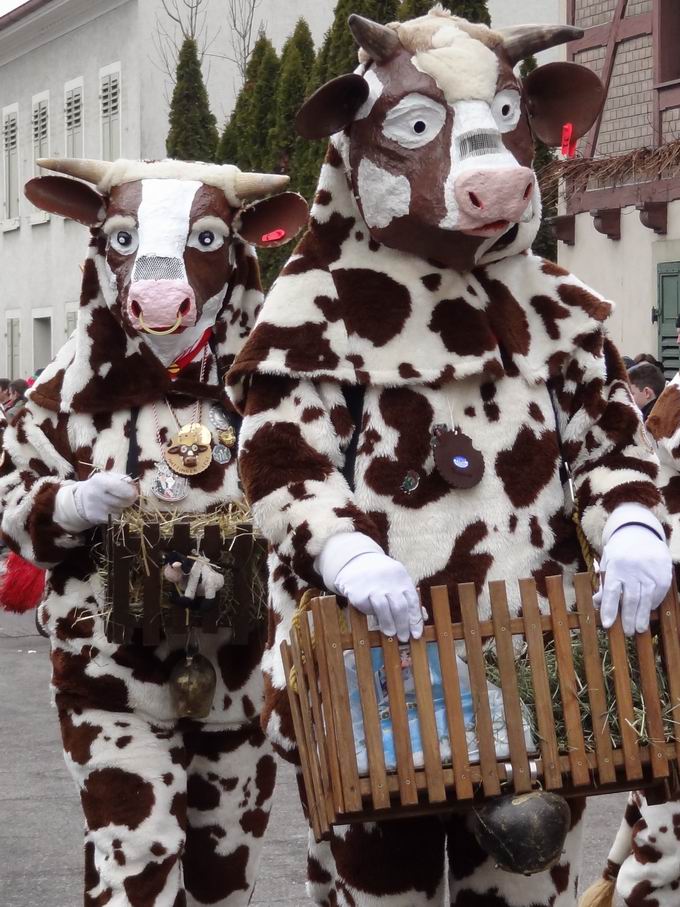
(527, 467)
(112, 796)
(358, 290)
(463, 329)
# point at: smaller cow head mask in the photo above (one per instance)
(166, 233)
(438, 132)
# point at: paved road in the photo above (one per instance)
(40, 824)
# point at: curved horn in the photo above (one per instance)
(521, 41)
(379, 41)
(255, 185)
(90, 171)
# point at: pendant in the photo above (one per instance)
(221, 454)
(227, 437)
(168, 486)
(189, 452)
(192, 686)
(219, 417)
(458, 462)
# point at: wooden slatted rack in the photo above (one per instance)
(337, 791)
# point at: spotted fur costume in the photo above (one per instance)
(504, 352)
(175, 811)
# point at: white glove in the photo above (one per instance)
(638, 565)
(354, 566)
(82, 505)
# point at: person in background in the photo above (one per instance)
(647, 357)
(628, 361)
(17, 397)
(647, 381)
(4, 392)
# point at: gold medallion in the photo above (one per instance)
(227, 437)
(190, 451)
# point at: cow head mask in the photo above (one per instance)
(438, 132)
(166, 233)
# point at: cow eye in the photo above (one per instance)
(415, 121)
(205, 240)
(124, 241)
(506, 109)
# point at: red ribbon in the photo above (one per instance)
(190, 355)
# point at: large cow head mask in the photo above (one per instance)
(166, 233)
(438, 137)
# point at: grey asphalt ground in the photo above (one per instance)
(40, 824)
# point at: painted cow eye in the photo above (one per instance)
(415, 121)
(206, 240)
(506, 109)
(124, 241)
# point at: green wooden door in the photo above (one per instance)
(668, 296)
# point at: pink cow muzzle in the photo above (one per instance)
(490, 200)
(161, 306)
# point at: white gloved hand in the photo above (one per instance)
(82, 505)
(637, 564)
(354, 566)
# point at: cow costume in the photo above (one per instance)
(643, 865)
(175, 810)
(408, 386)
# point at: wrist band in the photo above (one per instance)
(635, 523)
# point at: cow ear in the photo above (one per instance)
(67, 197)
(272, 221)
(331, 107)
(560, 93)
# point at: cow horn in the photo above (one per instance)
(520, 41)
(90, 171)
(255, 185)
(379, 41)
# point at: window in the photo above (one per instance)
(71, 319)
(13, 348)
(668, 64)
(10, 146)
(73, 118)
(109, 101)
(42, 341)
(41, 129)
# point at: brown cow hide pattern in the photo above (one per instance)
(476, 351)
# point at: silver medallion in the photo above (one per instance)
(168, 486)
(221, 454)
(218, 417)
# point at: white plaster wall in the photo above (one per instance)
(625, 271)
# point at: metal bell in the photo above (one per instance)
(192, 684)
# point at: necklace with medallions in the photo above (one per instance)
(456, 458)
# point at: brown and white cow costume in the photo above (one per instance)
(175, 810)
(414, 283)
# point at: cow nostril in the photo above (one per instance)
(475, 200)
(527, 191)
(184, 307)
(135, 308)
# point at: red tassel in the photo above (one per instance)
(22, 585)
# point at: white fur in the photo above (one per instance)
(462, 67)
(384, 196)
(375, 89)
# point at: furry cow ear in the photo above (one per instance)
(67, 197)
(560, 93)
(272, 221)
(331, 107)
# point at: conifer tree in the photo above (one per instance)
(472, 10)
(260, 112)
(193, 133)
(232, 147)
(545, 243)
(297, 61)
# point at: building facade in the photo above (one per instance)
(620, 224)
(84, 78)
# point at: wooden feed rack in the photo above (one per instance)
(137, 593)
(318, 692)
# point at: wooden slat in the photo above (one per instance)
(512, 704)
(181, 542)
(670, 636)
(480, 699)
(550, 753)
(652, 703)
(624, 701)
(327, 694)
(152, 586)
(329, 638)
(312, 673)
(429, 735)
(300, 735)
(452, 698)
(399, 719)
(580, 773)
(595, 678)
(211, 548)
(369, 707)
(120, 592)
(312, 751)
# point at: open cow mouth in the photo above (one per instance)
(492, 229)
